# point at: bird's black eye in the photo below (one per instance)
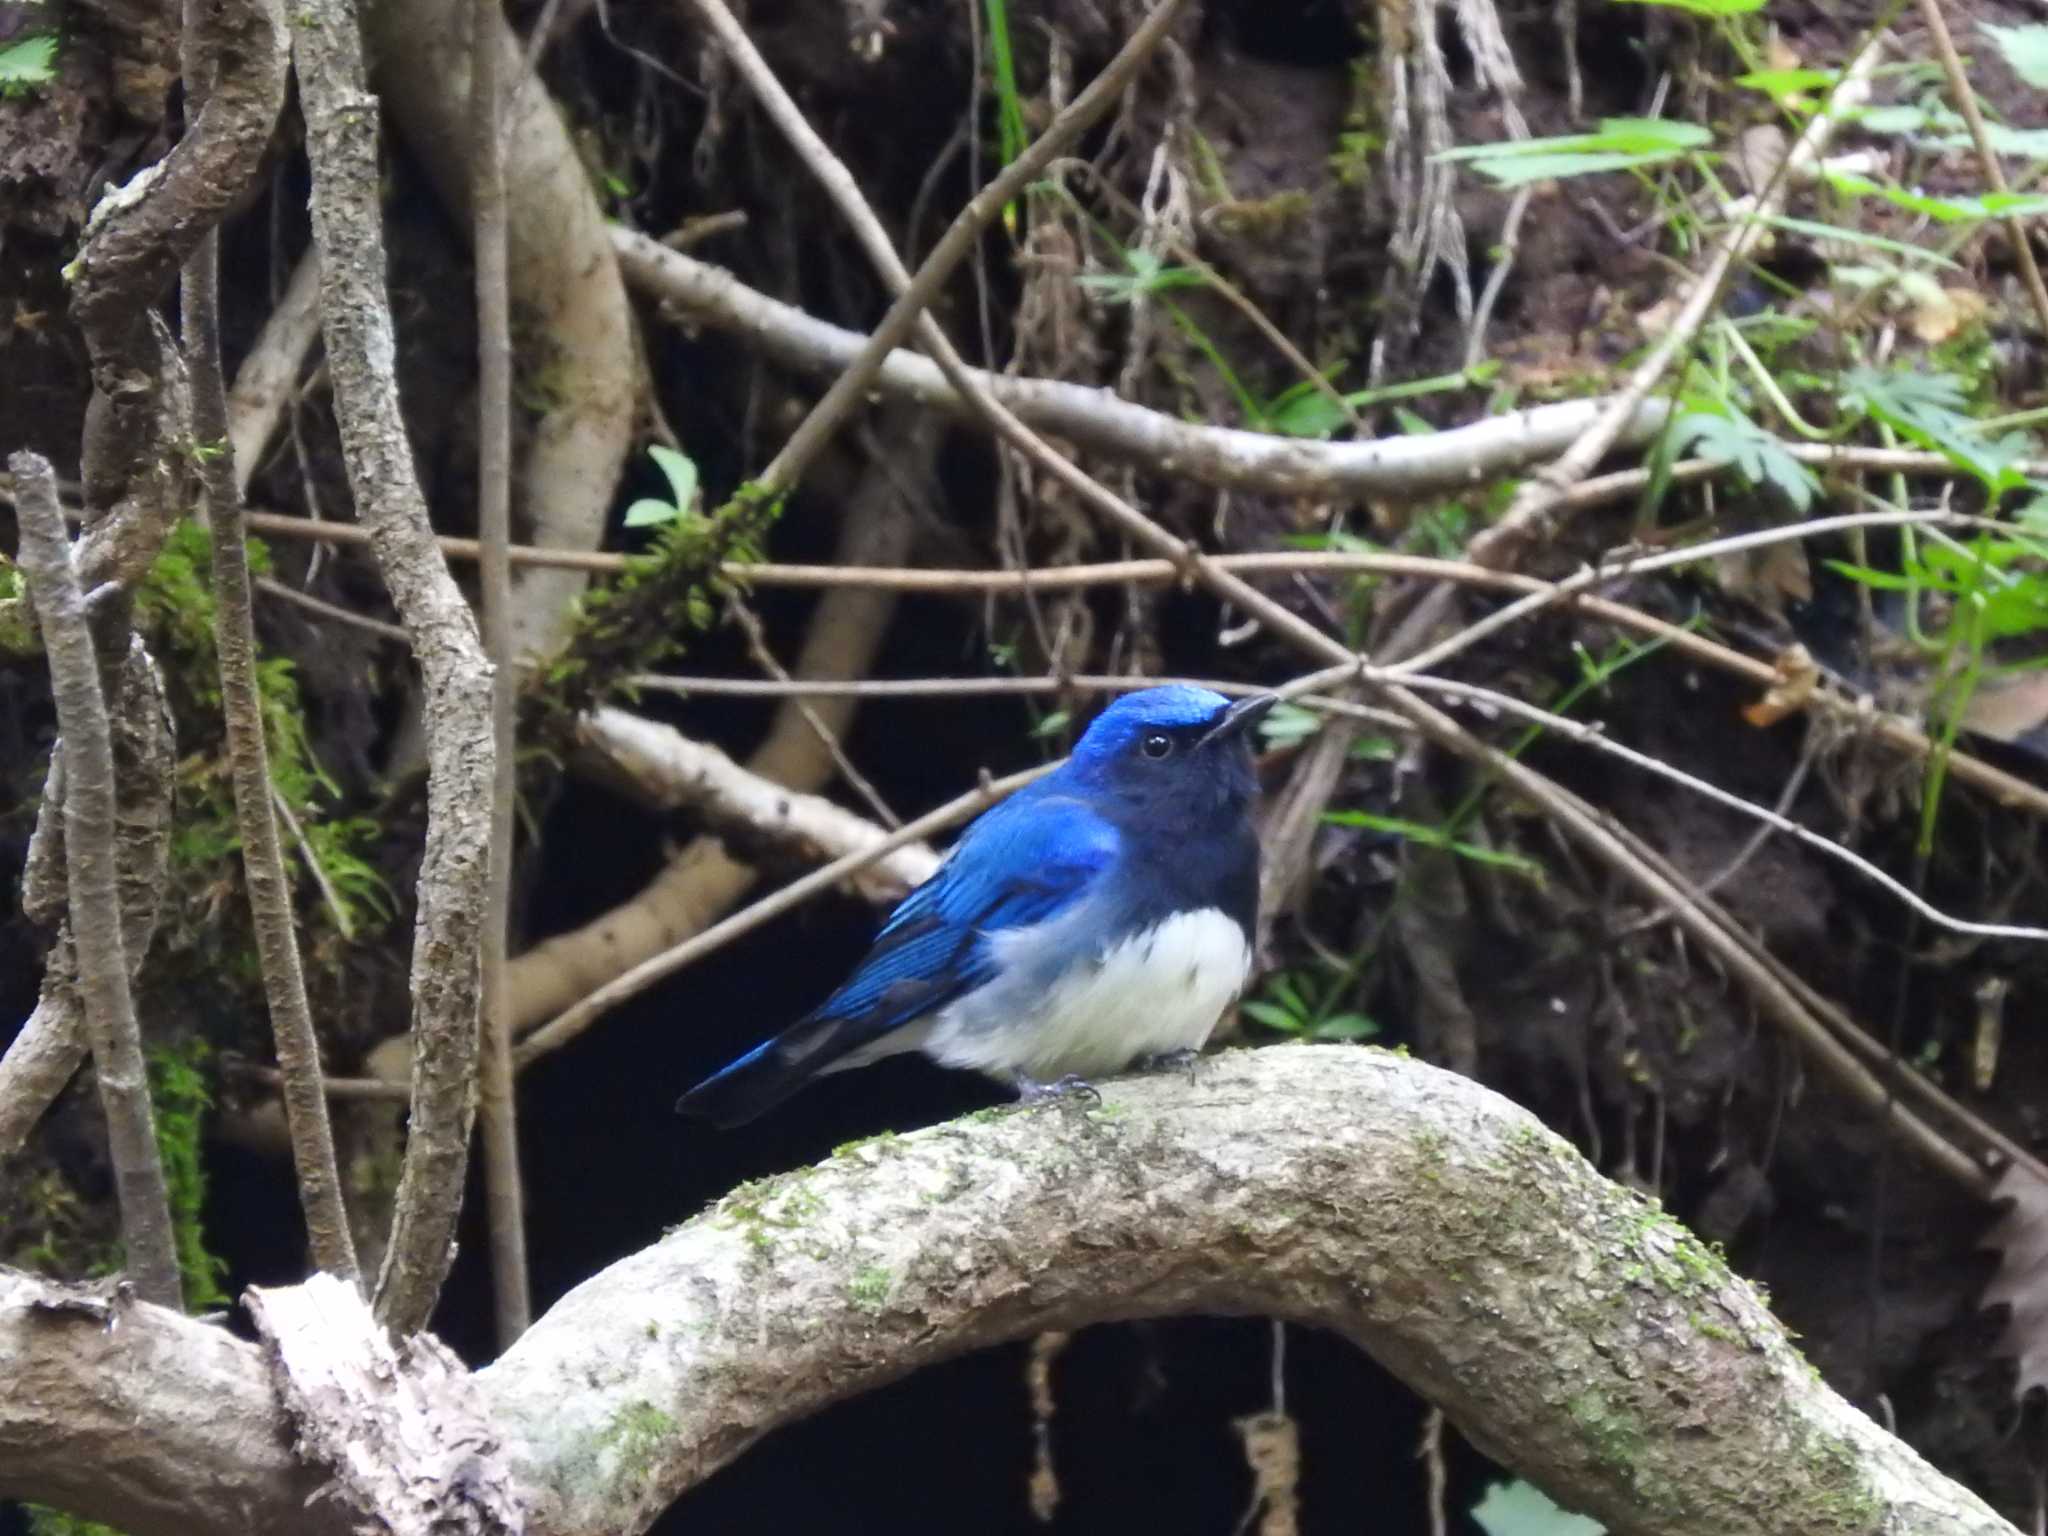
(1156, 744)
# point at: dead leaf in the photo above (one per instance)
(2021, 1281)
(2008, 709)
(1798, 676)
(1938, 313)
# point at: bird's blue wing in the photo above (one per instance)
(1024, 862)
(1027, 860)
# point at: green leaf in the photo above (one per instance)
(1052, 724)
(1272, 1017)
(1729, 437)
(1346, 1026)
(1622, 143)
(32, 61)
(2025, 50)
(1842, 236)
(1928, 408)
(1704, 7)
(1943, 210)
(1522, 1509)
(1434, 837)
(1287, 724)
(1891, 119)
(1784, 84)
(650, 512)
(1147, 275)
(2025, 143)
(1881, 581)
(1374, 749)
(1309, 413)
(1302, 410)
(681, 471)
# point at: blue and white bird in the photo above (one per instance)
(1101, 916)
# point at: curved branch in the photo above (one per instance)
(1102, 422)
(1573, 1330)
(341, 141)
(1568, 1326)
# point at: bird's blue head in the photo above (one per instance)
(1174, 748)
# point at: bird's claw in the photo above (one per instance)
(1073, 1088)
(1182, 1060)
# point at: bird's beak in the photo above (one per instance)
(1240, 717)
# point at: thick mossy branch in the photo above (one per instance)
(1568, 1325)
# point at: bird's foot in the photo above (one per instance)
(1071, 1089)
(1182, 1060)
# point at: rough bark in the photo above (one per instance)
(263, 872)
(400, 1424)
(51, 1043)
(92, 874)
(1568, 1325)
(341, 141)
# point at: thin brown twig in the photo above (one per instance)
(1894, 731)
(89, 820)
(765, 658)
(263, 871)
(1987, 156)
(497, 1099)
(269, 586)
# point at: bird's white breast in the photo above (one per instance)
(1158, 991)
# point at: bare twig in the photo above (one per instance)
(1893, 731)
(764, 657)
(263, 872)
(341, 135)
(97, 939)
(1592, 736)
(497, 1102)
(1987, 157)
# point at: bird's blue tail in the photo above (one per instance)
(765, 1076)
